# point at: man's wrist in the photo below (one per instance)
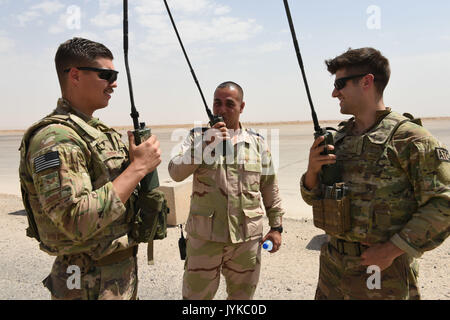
(279, 229)
(137, 171)
(311, 181)
(393, 250)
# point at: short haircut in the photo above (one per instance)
(79, 52)
(361, 61)
(232, 85)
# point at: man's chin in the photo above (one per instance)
(344, 110)
(230, 125)
(101, 106)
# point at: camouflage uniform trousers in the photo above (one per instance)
(342, 277)
(117, 281)
(240, 264)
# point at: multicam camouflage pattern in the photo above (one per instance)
(112, 282)
(399, 189)
(240, 264)
(74, 204)
(342, 277)
(226, 197)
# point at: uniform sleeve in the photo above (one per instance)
(316, 194)
(58, 160)
(269, 188)
(188, 158)
(427, 165)
(308, 195)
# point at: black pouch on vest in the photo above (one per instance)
(332, 215)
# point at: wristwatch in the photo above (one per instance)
(279, 229)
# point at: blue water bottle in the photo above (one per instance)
(267, 245)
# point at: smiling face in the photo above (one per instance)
(351, 96)
(228, 104)
(92, 92)
(96, 91)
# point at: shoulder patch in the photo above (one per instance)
(50, 182)
(442, 154)
(46, 161)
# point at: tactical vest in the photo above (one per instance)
(379, 197)
(216, 209)
(108, 159)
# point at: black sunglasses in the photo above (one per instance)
(104, 74)
(340, 83)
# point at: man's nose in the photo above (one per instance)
(335, 93)
(221, 110)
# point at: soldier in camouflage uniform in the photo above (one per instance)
(397, 177)
(225, 222)
(77, 177)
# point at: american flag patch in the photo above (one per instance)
(443, 154)
(46, 161)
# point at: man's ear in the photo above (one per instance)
(242, 106)
(368, 81)
(74, 77)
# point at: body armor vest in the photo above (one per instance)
(107, 159)
(379, 197)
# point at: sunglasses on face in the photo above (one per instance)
(104, 74)
(340, 83)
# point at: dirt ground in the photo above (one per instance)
(289, 274)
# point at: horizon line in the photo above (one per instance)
(246, 123)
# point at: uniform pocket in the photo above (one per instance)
(253, 167)
(59, 289)
(110, 156)
(253, 222)
(63, 281)
(331, 215)
(251, 176)
(118, 281)
(394, 280)
(207, 175)
(199, 223)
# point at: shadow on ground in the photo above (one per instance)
(18, 213)
(316, 242)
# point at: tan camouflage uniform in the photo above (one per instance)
(225, 221)
(399, 192)
(68, 163)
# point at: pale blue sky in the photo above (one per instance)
(247, 41)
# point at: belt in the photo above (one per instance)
(117, 257)
(346, 247)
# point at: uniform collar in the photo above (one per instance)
(241, 135)
(379, 116)
(64, 107)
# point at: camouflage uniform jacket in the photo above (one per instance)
(68, 163)
(399, 186)
(226, 204)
